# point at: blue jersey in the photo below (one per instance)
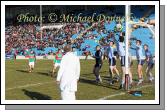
(149, 56)
(121, 48)
(111, 52)
(139, 53)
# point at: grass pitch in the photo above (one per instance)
(39, 85)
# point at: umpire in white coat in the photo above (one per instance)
(68, 74)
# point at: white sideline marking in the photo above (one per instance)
(28, 85)
(110, 96)
(122, 93)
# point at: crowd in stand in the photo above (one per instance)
(28, 36)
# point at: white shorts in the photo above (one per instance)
(57, 65)
(31, 64)
(68, 95)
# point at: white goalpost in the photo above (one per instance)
(127, 35)
(127, 18)
(128, 31)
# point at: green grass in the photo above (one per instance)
(17, 78)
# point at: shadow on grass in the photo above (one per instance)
(106, 78)
(90, 75)
(36, 95)
(103, 84)
(87, 74)
(24, 71)
(136, 80)
(43, 73)
(47, 74)
(93, 73)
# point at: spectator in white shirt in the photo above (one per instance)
(68, 74)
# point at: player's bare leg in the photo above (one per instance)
(130, 75)
(117, 72)
(111, 71)
(140, 74)
(149, 74)
(30, 69)
(123, 77)
(53, 71)
(111, 74)
(97, 75)
(123, 70)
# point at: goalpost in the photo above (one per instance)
(127, 35)
(128, 24)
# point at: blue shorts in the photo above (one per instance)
(150, 65)
(122, 60)
(98, 65)
(141, 62)
(112, 62)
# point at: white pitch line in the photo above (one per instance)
(122, 93)
(110, 96)
(28, 85)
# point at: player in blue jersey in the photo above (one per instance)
(150, 63)
(98, 57)
(141, 60)
(121, 51)
(112, 62)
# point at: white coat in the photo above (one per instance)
(69, 72)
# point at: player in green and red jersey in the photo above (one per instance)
(57, 60)
(32, 59)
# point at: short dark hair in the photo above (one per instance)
(121, 39)
(145, 45)
(139, 41)
(67, 48)
(73, 48)
(97, 46)
(112, 41)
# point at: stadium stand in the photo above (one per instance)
(82, 36)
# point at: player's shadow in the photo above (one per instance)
(24, 71)
(89, 75)
(107, 78)
(36, 95)
(43, 73)
(83, 80)
(103, 84)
